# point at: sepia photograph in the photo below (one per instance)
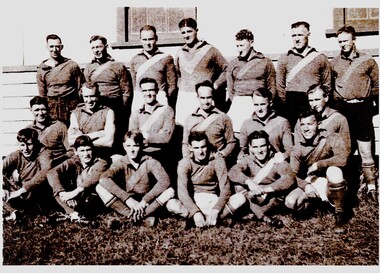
(190, 135)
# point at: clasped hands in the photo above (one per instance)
(209, 220)
(137, 209)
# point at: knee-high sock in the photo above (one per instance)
(235, 202)
(160, 201)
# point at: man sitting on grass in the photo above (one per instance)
(136, 185)
(73, 182)
(24, 173)
(264, 178)
(317, 163)
(203, 187)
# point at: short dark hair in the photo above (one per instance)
(149, 28)
(136, 136)
(27, 133)
(98, 37)
(244, 34)
(316, 86)
(83, 140)
(301, 23)
(149, 80)
(258, 135)
(53, 37)
(198, 136)
(263, 92)
(188, 22)
(347, 29)
(308, 113)
(205, 84)
(37, 100)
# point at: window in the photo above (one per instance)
(364, 20)
(165, 20)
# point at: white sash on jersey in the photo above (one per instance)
(147, 64)
(294, 71)
(152, 118)
(190, 65)
(100, 69)
(201, 127)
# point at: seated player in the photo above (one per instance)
(136, 185)
(95, 120)
(264, 178)
(317, 163)
(51, 133)
(73, 182)
(204, 194)
(265, 118)
(24, 173)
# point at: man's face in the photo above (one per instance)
(85, 154)
(243, 47)
(98, 49)
(90, 98)
(189, 35)
(205, 98)
(259, 148)
(149, 92)
(260, 106)
(300, 36)
(26, 148)
(346, 42)
(55, 47)
(148, 40)
(132, 148)
(199, 149)
(317, 100)
(39, 112)
(309, 127)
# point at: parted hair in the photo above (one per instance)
(98, 37)
(317, 86)
(39, 100)
(301, 23)
(149, 80)
(258, 135)
(347, 29)
(27, 133)
(263, 92)
(198, 136)
(151, 28)
(188, 22)
(308, 113)
(205, 84)
(136, 136)
(53, 37)
(83, 140)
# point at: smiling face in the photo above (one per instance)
(132, 148)
(55, 48)
(346, 42)
(243, 47)
(259, 148)
(90, 98)
(300, 36)
(205, 98)
(98, 49)
(309, 126)
(148, 41)
(261, 106)
(189, 35)
(199, 149)
(39, 112)
(26, 147)
(85, 154)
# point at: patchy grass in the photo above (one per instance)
(307, 242)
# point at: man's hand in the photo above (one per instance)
(221, 153)
(254, 188)
(68, 195)
(212, 218)
(199, 219)
(72, 203)
(312, 168)
(310, 191)
(279, 157)
(137, 210)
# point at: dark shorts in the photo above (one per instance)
(359, 117)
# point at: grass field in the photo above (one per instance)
(306, 242)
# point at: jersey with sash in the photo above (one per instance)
(159, 124)
(297, 73)
(217, 126)
(355, 76)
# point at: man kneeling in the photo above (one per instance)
(203, 187)
(136, 185)
(316, 162)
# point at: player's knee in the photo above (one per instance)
(237, 200)
(334, 175)
(290, 201)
